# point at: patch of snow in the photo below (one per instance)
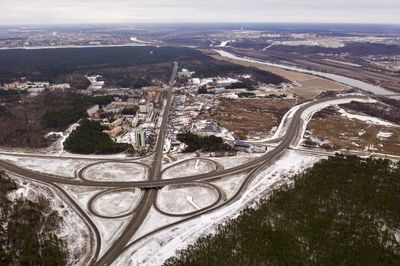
(206, 81)
(136, 40)
(111, 171)
(355, 144)
(224, 43)
(240, 158)
(117, 203)
(230, 95)
(189, 168)
(362, 132)
(190, 200)
(66, 134)
(174, 199)
(367, 119)
(384, 135)
(230, 184)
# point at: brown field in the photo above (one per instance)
(311, 86)
(249, 118)
(354, 134)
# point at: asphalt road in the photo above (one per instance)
(150, 196)
(154, 181)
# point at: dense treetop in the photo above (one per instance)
(206, 143)
(49, 63)
(122, 66)
(89, 138)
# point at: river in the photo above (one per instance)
(341, 79)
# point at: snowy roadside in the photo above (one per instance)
(159, 247)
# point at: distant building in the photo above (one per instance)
(150, 107)
(140, 138)
(16, 85)
(60, 86)
(206, 128)
(151, 115)
(116, 123)
(38, 85)
(152, 89)
(196, 81)
(241, 144)
(185, 73)
(146, 108)
(115, 131)
(118, 106)
(96, 82)
(135, 121)
(92, 110)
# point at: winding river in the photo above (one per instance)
(338, 78)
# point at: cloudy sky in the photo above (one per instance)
(170, 11)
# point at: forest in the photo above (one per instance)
(207, 143)
(342, 211)
(25, 120)
(27, 230)
(89, 138)
(74, 108)
(133, 67)
(47, 64)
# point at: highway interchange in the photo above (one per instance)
(150, 187)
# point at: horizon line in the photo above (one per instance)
(195, 23)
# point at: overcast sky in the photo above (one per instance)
(170, 11)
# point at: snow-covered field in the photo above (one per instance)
(189, 168)
(61, 167)
(186, 198)
(116, 203)
(240, 158)
(114, 171)
(155, 249)
(230, 184)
